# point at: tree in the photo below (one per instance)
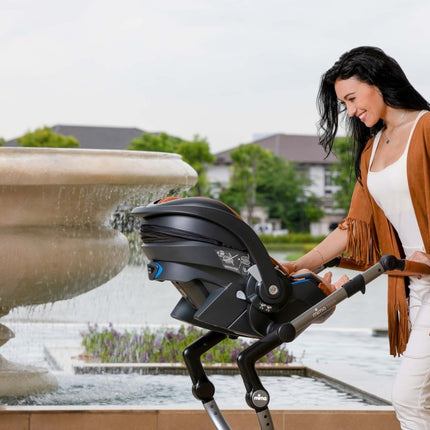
(196, 153)
(161, 142)
(261, 178)
(343, 172)
(198, 156)
(46, 138)
(2, 141)
(282, 189)
(248, 160)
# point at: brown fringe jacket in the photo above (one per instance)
(371, 235)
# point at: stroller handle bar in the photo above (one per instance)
(287, 332)
(410, 268)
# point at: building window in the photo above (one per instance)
(328, 177)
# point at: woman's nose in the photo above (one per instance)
(351, 109)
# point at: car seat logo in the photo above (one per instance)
(235, 261)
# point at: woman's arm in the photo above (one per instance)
(332, 246)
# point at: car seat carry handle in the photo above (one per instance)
(287, 332)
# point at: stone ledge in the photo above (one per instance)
(180, 369)
(173, 419)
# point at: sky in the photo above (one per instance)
(227, 70)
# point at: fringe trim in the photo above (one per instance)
(397, 309)
(362, 250)
(362, 245)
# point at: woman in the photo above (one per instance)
(388, 123)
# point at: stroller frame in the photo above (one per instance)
(257, 397)
(258, 300)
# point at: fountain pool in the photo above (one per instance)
(130, 301)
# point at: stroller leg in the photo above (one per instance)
(203, 389)
(257, 396)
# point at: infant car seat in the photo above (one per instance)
(226, 278)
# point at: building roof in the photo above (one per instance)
(294, 148)
(92, 137)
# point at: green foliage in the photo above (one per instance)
(249, 162)
(293, 256)
(307, 247)
(108, 345)
(312, 209)
(199, 157)
(2, 141)
(282, 190)
(161, 142)
(196, 153)
(296, 238)
(46, 138)
(343, 172)
(260, 178)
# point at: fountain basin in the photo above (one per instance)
(55, 205)
(54, 219)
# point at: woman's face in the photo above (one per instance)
(361, 100)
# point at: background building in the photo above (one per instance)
(310, 159)
(93, 137)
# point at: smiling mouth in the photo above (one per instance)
(362, 116)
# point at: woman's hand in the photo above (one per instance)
(289, 267)
(420, 257)
(326, 285)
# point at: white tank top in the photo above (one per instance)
(390, 189)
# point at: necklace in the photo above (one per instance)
(388, 138)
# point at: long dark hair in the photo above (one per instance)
(372, 66)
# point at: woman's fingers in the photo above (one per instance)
(327, 277)
(420, 257)
(339, 283)
(289, 267)
(326, 285)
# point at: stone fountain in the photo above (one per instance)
(56, 241)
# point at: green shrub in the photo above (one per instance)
(290, 238)
(293, 256)
(309, 247)
(107, 345)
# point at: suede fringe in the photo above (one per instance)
(397, 309)
(362, 250)
(362, 245)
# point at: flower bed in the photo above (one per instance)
(108, 345)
